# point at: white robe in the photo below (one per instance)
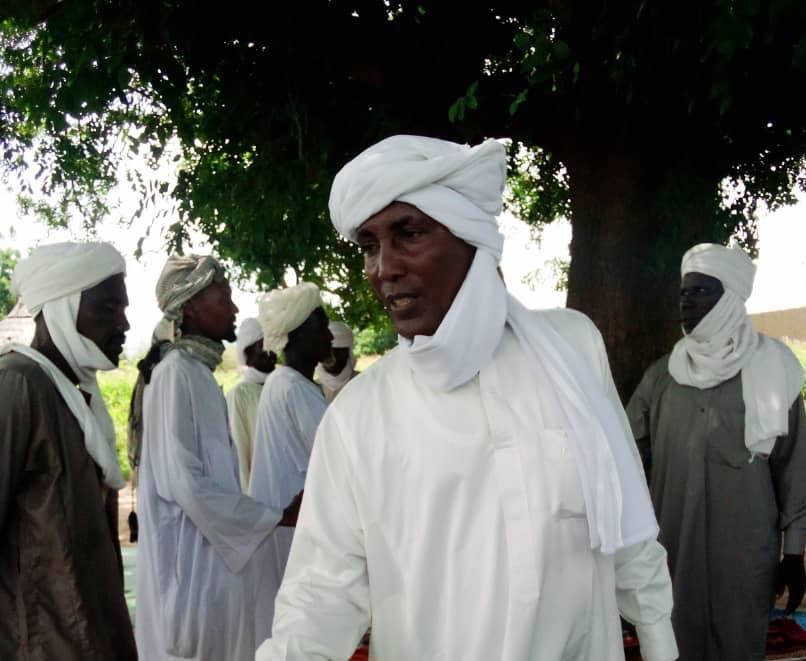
(417, 511)
(289, 413)
(198, 532)
(242, 401)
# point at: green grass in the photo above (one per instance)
(116, 388)
(799, 348)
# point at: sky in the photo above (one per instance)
(526, 263)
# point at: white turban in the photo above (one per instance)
(342, 335)
(51, 281)
(458, 186)
(249, 332)
(461, 188)
(60, 269)
(181, 279)
(283, 310)
(731, 266)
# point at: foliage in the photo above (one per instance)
(116, 389)
(375, 339)
(8, 260)
(799, 348)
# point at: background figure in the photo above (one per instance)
(61, 578)
(475, 494)
(196, 577)
(243, 397)
(334, 373)
(291, 406)
(721, 422)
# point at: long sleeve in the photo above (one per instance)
(15, 425)
(322, 609)
(788, 467)
(644, 598)
(233, 523)
(241, 425)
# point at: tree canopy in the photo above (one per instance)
(8, 260)
(627, 117)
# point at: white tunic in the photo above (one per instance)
(458, 529)
(242, 401)
(289, 413)
(195, 581)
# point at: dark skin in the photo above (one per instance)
(257, 357)
(414, 264)
(101, 318)
(336, 364)
(699, 293)
(309, 344)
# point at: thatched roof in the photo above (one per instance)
(18, 326)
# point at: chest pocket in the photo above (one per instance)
(560, 488)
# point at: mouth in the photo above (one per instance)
(399, 302)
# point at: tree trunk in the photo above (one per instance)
(625, 258)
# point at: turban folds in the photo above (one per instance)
(60, 269)
(283, 310)
(457, 185)
(249, 332)
(731, 266)
(181, 279)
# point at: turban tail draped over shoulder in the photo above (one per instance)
(461, 187)
(282, 310)
(50, 282)
(725, 342)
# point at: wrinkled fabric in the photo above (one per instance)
(61, 581)
(721, 516)
(725, 343)
(282, 310)
(249, 332)
(58, 270)
(289, 412)
(199, 534)
(242, 400)
(181, 279)
(456, 522)
(460, 187)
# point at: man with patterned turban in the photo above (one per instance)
(291, 405)
(475, 494)
(61, 578)
(339, 368)
(243, 397)
(721, 421)
(196, 578)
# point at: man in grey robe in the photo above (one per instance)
(721, 424)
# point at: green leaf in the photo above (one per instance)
(523, 40)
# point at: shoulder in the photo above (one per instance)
(374, 383)
(18, 372)
(177, 367)
(574, 326)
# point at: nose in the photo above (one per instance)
(124, 325)
(388, 264)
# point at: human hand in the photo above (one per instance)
(792, 577)
(291, 512)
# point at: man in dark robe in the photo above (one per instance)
(61, 579)
(721, 422)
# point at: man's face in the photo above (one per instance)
(211, 313)
(699, 293)
(102, 316)
(338, 361)
(313, 337)
(415, 265)
(257, 357)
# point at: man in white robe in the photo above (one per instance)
(475, 493)
(721, 422)
(243, 397)
(196, 577)
(291, 405)
(339, 368)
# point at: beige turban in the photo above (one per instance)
(283, 310)
(731, 266)
(456, 185)
(181, 279)
(249, 332)
(60, 269)
(342, 335)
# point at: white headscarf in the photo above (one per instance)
(249, 332)
(460, 187)
(51, 281)
(342, 339)
(725, 342)
(282, 310)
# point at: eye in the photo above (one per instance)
(368, 248)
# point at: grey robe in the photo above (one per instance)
(720, 516)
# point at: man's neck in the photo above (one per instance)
(304, 367)
(49, 350)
